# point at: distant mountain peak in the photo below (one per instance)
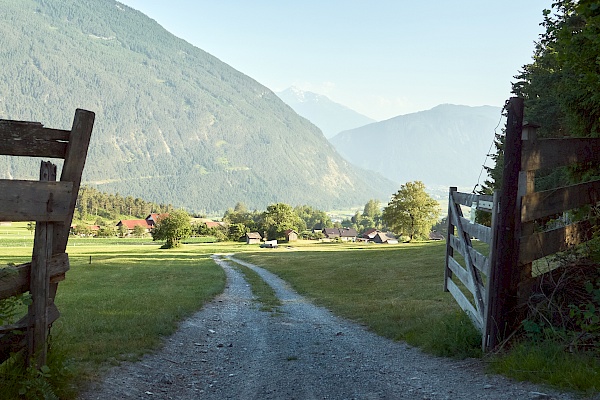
(329, 116)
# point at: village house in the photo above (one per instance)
(130, 224)
(213, 224)
(345, 234)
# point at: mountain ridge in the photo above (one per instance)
(443, 146)
(173, 123)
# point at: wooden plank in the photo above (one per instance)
(11, 343)
(504, 275)
(465, 304)
(479, 260)
(462, 274)
(33, 148)
(549, 202)
(15, 280)
(542, 244)
(75, 157)
(552, 153)
(22, 138)
(16, 341)
(481, 232)
(467, 199)
(34, 200)
(39, 283)
(13, 327)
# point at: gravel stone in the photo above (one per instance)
(232, 350)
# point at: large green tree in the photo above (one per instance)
(411, 211)
(172, 228)
(280, 217)
(313, 218)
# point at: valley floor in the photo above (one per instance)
(232, 350)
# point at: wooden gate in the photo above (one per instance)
(501, 283)
(51, 205)
(473, 275)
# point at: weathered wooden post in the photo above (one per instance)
(40, 281)
(505, 274)
(449, 248)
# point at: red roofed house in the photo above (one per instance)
(131, 223)
(213, 224)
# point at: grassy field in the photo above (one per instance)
(133, 294)
(122, 304)
(397, 291)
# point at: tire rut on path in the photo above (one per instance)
(232, 350)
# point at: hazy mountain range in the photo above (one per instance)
(329, 116)
(444, 146)
(173, 123)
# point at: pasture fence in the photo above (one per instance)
(519, 233)
(51, 205)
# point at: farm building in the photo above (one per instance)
(435, 235)
(345, 234)
(253, 238)
(130, 224)
(387, 237)
(291, 235)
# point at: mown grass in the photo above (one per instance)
(397, 291)
(124, 303)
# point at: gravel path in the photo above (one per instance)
(231, 350)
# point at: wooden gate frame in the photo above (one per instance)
(498, 303)
(51, 204)
(475, 276)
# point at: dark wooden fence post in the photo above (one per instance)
(449, 248)
(504, 275)
(40, 280)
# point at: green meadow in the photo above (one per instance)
(122, 297)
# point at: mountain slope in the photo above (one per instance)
(446, 145)
(331, 117)
(173, 123)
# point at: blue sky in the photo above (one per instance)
(382, 58)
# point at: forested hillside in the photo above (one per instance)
(173, 123)
(444, 146)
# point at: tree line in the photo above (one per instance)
(410, 213)
(94, 204)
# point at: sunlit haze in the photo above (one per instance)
(382, 58)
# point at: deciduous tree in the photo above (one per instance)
(278, 218)
(172, 228)
(411, 211)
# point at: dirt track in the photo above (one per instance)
(231, 350)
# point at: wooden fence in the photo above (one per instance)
(51, 205)
(514, 242)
